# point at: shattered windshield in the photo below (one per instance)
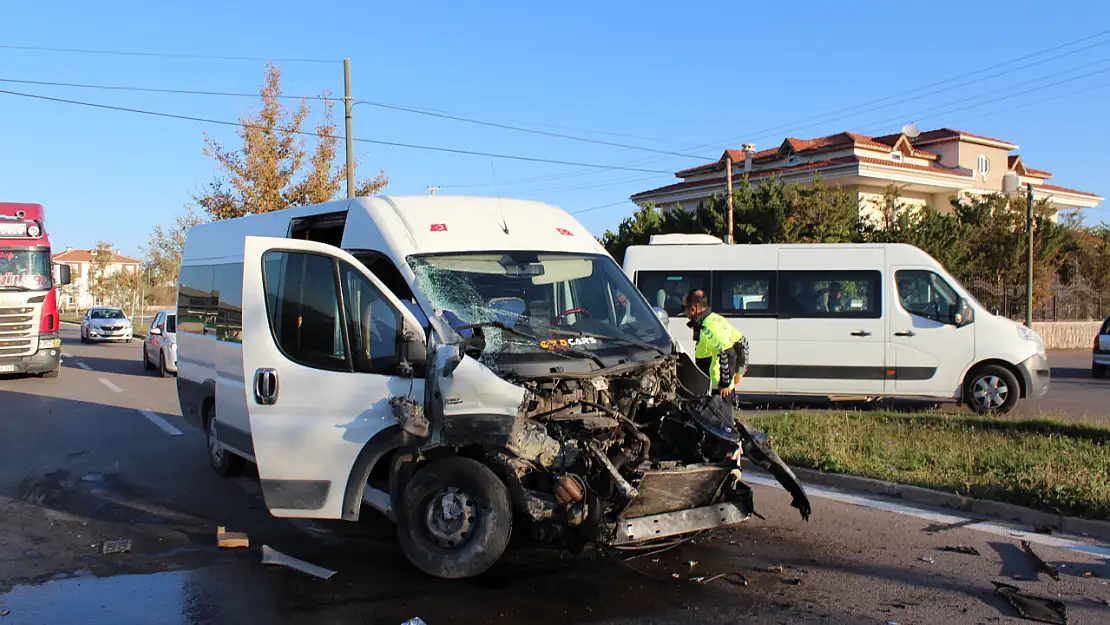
(528, 303)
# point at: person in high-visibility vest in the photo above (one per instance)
(721, 351)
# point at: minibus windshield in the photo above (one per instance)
(529, 303)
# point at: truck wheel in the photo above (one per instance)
(454, 518)
(222, 461)
(992, 390)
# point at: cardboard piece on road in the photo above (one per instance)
(273, 556)
(122, 545)
(231, 540)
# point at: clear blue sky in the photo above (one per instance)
(674, 75)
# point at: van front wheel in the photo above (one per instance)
(455, 518)
(992, 390)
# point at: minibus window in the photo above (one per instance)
(925, 294)
(666, 289)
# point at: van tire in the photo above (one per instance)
(992, 389)
(428, 539)
(222, 461)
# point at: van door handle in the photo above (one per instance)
(906, 333)
(266, 387)
(861, 333)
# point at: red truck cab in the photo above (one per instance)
(30, 342)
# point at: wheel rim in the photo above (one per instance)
(450, 516)
(990, 391)
(215, 452)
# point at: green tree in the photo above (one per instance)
(274, 170)
(164, 248)
(100, 272)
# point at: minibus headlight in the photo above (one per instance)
(1026, 333)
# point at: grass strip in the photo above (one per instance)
(1057, 466)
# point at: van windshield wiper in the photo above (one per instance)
(564, 350)
(615, 339)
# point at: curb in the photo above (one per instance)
(978, 507)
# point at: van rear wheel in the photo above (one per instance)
(454, 518)
(221, 460)
(992, 390)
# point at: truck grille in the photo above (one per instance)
(17, 331)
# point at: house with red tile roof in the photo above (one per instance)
(77, 294)
(930, 169)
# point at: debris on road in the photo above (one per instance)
(935, 528)
(415, 621)
(231, 540)
(5, 611)
(1042, 566)
(1042, 529)
(1033, 608)
(692, 563)
(926, 559)
(964, 549)
(775, 569)
(273, 556)
(109, 547)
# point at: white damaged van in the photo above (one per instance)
(846, 320)
(470, 367)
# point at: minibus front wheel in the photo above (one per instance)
(455, 518)
(992, 389)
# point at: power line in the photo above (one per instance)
(165, 55)
(825, 118)
(545, 133)
(316, 134)
(587, 210)
(384, 105)
(45, 83)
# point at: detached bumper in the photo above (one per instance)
(1035, 375)
(43, 361)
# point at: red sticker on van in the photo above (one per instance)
(564, 232)
(439, 228)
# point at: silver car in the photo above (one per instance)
(160, 344)
(106, 323)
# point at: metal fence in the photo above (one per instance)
(1077, 300)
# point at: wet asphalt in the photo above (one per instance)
(83, 465)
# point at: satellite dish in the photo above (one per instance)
(910, 130)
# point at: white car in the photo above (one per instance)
(106, 323)
(160, 345)
(1100, 359)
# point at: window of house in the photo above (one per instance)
(744, 293)
(667, 289)
(303, 309)
(849, 294)
(375, 326)
(793, 160)
(983, 164)
(925, 294)
(896, 157)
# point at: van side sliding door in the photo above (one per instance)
(831, 330)
(322, 347)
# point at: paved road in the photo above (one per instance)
(101, 453)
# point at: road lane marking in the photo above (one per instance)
(939, 517)
(84, 366)
(166, 426)
(111, 387)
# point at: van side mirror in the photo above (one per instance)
(414, 353)
(965, 314)
(63, 275)
(661, 313)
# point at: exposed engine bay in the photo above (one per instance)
(632, 456)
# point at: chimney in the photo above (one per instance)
(749, 154)
(69, 249)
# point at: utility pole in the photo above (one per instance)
(348, 103)
(1029, 257)
(728, 165)
(432, 190)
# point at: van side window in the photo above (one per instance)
(847, 294)
(303, 309)
(229, 314)
(374, 324)
(666, 289)
(925, 294)
(744, 293)
(194, 298)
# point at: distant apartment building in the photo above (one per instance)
(930, 169)
(77, 294)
